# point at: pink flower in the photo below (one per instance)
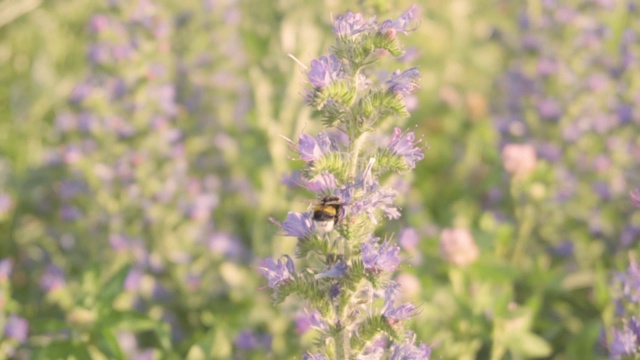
(519, 159)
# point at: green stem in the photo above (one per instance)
(355, 154)
(526, 222)
(342, 345)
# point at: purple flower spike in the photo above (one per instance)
(324, 71)
(279, 272)
(16, 328)
(391, 27)
(351, 24)
(297, 224)
(404, 144)
(405, 82)
(382, 258)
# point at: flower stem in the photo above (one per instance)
(355, 154)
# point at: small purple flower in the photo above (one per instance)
(380, 258)
(351, 24)
(279, 272)
(394, 314)
(249, 340)
(409, 239)
(309, 356)
(226, 244)
(624, 342)
(52, 279)
(322, 183)
(391, 27)
(309, 149)
(5, 203)
(408, 351)
(325, 71)
(297, 224)
(405, 82)
(549, 109)
(630, 283)
(133, 279)
(337, 270)
(5, 269)
(404, 145)
(16, 328)
(305, 320)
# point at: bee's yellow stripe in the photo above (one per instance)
(325, 209)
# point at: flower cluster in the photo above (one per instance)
(129, 201)
(570, 106)
(348, 271)
(625, 336)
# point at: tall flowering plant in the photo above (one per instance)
(352, 301)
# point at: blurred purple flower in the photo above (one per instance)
(405, 82)
(277, 273)
(398, 313)
(408, 351)
(249, 340)
(16, 328)
(635, 197)
(6, 203)
(391, 27)
(549, 109)
(624, 342)
(226, 244)
(310, 356)
(629, 282)
(322, 183)
(5, 269)
(52, 279)
(337, 270)
(379, 258)
(404, 145)
(408, 239)
(309, 149)
(297, 224)
(325, 71)
(351, 24)
(133, 279)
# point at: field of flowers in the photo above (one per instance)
(290, 179)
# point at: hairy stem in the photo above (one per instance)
(355, 154)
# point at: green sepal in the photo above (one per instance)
(312, 243)
(378, 106)
(386, 162)
(340, 92)
(386, 42)
(307, 287)
(370, 328)
(355, 51)
(332, 163)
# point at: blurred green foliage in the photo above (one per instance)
(239, 94)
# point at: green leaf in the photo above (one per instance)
(529, 345)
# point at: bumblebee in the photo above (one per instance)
(326, 213)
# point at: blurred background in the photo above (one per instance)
(142, 155)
